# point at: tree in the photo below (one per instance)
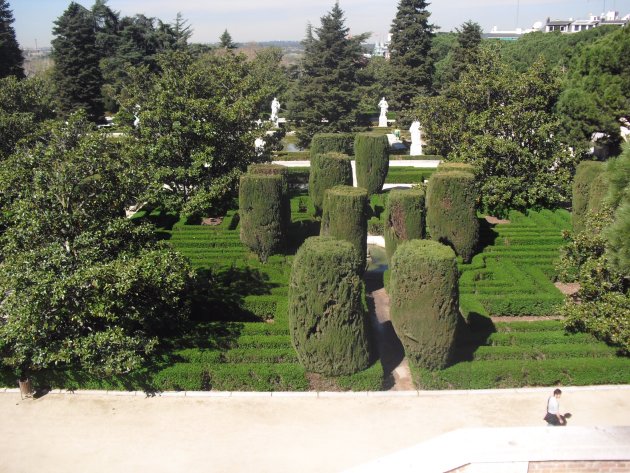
(80, 286)
(225, 41)
(11, 59)
(411, 61)
(503, 123)
(324, 98)
(77, 71)
(197, 127)
(465, 51)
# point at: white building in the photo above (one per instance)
(575, 26)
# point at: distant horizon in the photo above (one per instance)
(275, 20)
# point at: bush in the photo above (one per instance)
(585, 174)
(269, 168)
(451, 216)
(597, 193)
(424, 301)
(261, 210)
(327, 316)
(344, 216)
(371, 154)
(404, 217)
(327, 170)
(452, 166)
(323, 143)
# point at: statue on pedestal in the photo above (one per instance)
(275, 108)
(382, 119)
(416, 139)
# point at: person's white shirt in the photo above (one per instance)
(553, 406)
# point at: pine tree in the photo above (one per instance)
(226, 41)
(77, 57)
(11, 58)
(410, 47)
(324, 99)
(466, 49)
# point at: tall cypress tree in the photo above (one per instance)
(410, 47)
(325, 98)
(11, 59)
(77, 57)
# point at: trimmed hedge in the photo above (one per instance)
(597, 193)
(327, 317)
(371, 154)
(424, 301)
(344, 216)
(451, 215)
(327, 170)
(270, 168)
(262, 213)
(404, 217)
(585, 174)
(449, 166)
(323, 143)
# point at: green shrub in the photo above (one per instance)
(327, 316)
(292, 156)
(449, 166)
(327, 170)
(404, 217)
(323, 143)
(344, 216)
(371, 154)
(451, 215)
(424, 300)
(270, 168)
(597, 193)
(261, 210)
(585, 174)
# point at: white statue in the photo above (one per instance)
(275, 108)
(136, 122)
(416, 139)
(382, 119)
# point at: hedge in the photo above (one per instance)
(344, 216)
(327, 170)
(597, 193)
(270, 168)
(323, 143)
(404, 217)
(585, 174)
(371, 154)
(328, 319)
(450, 166)
(424, 303)
(451, 215)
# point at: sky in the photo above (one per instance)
(267, 20)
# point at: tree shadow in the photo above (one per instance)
(487, 235)
(470, 335)
(300, 231)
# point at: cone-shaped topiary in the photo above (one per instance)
(404, 217)
(424, 300)
(451, 215)
(327, 170)
(447, 166)
(585, 174)
(371, 154)
(323, 143)
(327, 316)
(270, 168)
(344, 216)
(597, 193)
(261, 213)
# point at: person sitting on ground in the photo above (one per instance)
(553, 416)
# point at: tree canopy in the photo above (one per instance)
(11, 59)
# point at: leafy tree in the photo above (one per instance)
(11, 59)
(411, 61)
(324, 98)
(465, 51)
(77, 72)
(225, 41)
(80, 286)
(502, 122)
(197, 127)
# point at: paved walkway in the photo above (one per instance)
(98, 433)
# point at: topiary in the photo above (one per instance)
(270, 168)
(424, 300)
(585, 174)
(371, 154)
(404, 217)
(344, 216)
(327, 316)
(451, 215)
(261, 213)
(323, 143)
(597, 193)
(327, 170)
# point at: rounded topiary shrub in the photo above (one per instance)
(424, 300)
(404, 217)
(371, 154)
(323, 143)
(327, 316)
(597, 193)
(261, 210)
(270, 168)
(327, 170)
(585, 174)
(344, 216)
(451, 214)
(452, 166)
